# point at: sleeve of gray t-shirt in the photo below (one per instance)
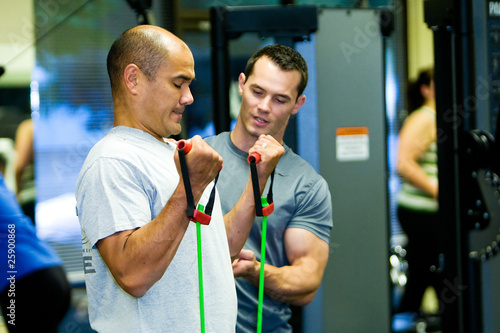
(114, 196)
(314, 212)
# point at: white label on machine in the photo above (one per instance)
(352, 144)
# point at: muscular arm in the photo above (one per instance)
(418, 132)
(138, 258)
(239, 221)
(296, 283)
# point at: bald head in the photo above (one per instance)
(146, 46)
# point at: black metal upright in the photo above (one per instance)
(451, 22)
(220, 73)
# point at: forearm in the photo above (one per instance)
(239, 220)
(295, 285)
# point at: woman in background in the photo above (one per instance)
(417, 200)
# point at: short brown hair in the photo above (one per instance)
(285, 58)
(142, 47)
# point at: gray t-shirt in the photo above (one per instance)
(126, 180)
(301, 200)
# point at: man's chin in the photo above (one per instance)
(257, 132)
(172, 130)
(177, 130)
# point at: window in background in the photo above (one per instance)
(72, 109)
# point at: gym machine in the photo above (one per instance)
(466, 44)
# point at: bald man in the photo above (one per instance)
(139, 247)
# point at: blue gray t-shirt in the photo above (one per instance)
(301, 200)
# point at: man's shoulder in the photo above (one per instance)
(114, 148)
(305, 176)
(216, 139)
(296, 165)
(109, 147)
(119, 145)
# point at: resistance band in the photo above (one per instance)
(200, 216)
(263, 207)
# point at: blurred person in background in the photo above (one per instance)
(418, 197)
(34, 291)
(24, 168)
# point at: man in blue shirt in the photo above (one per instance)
(298, 230)
(35, 293)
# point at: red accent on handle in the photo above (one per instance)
(266, 211)
(200, 217)
(183, 144)
(253, 158)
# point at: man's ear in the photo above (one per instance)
(241, 83)
(131, 78)
(298, 104)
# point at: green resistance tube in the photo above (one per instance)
(201, 208)
(262, 263)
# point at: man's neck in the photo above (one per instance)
(241, 141)
(129, 122)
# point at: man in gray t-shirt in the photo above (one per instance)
(298, 230)
(139, 247)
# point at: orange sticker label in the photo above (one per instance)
(353, 144)
(352, 130)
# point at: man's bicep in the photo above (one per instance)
(303, 244)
